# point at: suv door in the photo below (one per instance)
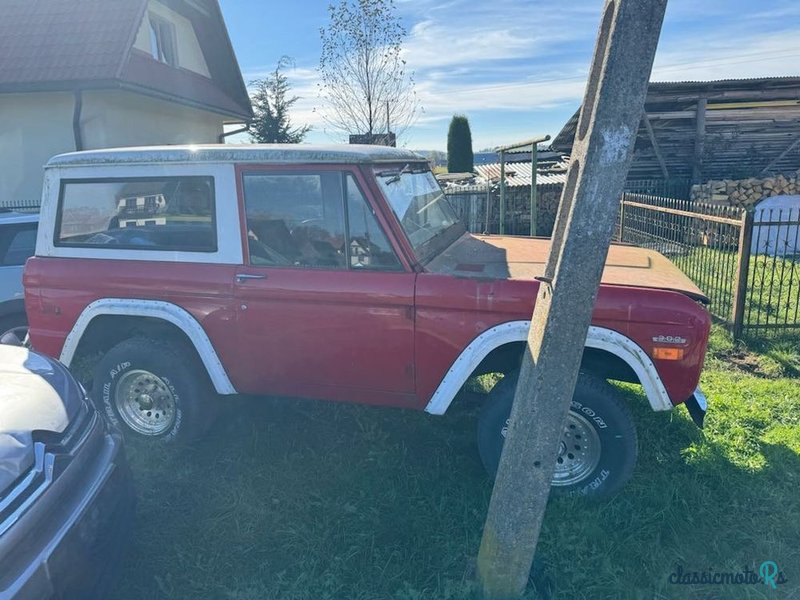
(325, 303)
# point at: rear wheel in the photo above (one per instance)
(598, 450)
(154, 389)
(14, 330)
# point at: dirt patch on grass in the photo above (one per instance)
(771, 360)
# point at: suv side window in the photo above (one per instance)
(295, 219)
(21, 246)
(369, 247)
(299, 219)
(146, 213)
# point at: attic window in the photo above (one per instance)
(163, 43)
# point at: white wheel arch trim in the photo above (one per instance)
(517, 331)
(165, 311)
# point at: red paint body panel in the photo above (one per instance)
(361, 336)
(351, 329)
(59, 289)
(451, 312)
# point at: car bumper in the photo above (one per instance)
(69, 544)
(698, 406)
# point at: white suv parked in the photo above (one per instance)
(17, 244)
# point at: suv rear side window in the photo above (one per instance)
(165, 213)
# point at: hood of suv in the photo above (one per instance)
(504, 257)
(36, 394)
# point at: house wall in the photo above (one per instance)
(190, 56)
(116, 118)
(34, 127)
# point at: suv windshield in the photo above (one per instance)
(422, 208)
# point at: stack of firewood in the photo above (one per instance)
(746, 192)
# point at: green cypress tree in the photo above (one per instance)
(459, 146)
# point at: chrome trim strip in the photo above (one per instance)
(43, 463)
(701, 399)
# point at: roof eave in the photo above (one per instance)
(245, 114)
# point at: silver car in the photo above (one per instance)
(17, 244)
(66, 497)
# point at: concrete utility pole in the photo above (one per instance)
(612, 111)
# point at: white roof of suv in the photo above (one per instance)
(242, 153)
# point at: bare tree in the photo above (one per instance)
(365, 86)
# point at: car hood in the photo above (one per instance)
(36, 394)
(504, 257)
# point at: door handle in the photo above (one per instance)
(242, 277)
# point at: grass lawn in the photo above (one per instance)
(292, 500)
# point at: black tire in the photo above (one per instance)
(166, 379)
(603, 419)
(11, 322)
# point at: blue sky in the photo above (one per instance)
(515, 68)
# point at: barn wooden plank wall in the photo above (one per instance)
(732, 129)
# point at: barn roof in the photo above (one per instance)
(752, 128)
(518, 174)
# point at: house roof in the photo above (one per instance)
(750, 128)
(55, 45)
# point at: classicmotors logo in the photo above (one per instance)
(768, 573)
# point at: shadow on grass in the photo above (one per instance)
(301, 499)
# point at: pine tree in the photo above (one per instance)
(459, 146)
(271, 123)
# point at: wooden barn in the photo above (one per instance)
(714, 130)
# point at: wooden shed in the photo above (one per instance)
(703, 130)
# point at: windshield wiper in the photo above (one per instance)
(394, 176)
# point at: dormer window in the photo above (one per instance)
(163, 45)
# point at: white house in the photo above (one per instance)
(108, 73)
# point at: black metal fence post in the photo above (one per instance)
(742, 274)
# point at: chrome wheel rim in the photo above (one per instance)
(145, 403)
(16, 336)
(579, 451)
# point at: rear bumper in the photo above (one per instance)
(698, 406)
(70, 543)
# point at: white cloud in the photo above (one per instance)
(726, 56)
(507, 56)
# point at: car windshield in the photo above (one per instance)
(427, 218)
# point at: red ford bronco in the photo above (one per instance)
(337, 273)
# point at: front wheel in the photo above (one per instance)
(598, 450)
(153, 389)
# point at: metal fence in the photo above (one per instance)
(663, 188)
(772, 256)
(479, 208)
(479, 205)
(748, 265)
(22, 206)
